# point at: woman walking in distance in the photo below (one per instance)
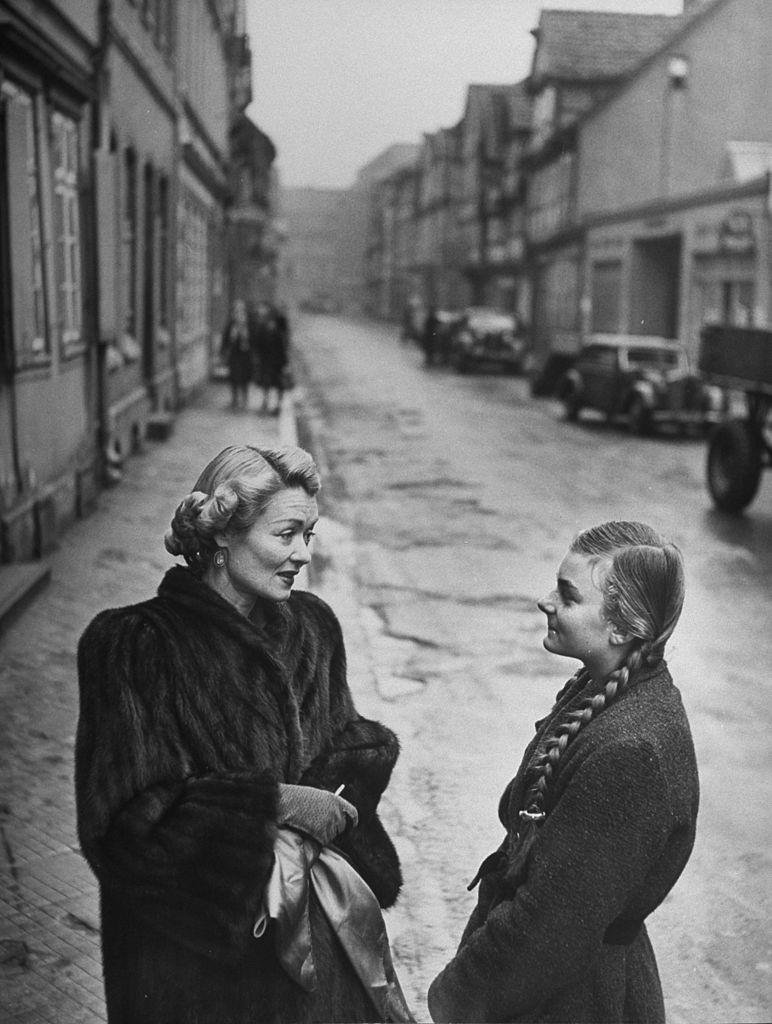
(600, 818)
(237, 352)
(272, 348)
(216, 733)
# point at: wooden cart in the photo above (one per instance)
(739, 359)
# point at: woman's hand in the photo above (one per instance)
(316, 812)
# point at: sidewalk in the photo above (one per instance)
(50, 968)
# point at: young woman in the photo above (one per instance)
(600, 818)
(215, 717)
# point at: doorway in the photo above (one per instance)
(656, 286)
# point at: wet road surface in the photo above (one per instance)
(455, 498)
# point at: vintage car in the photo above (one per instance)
(646, 380)
(485, 336)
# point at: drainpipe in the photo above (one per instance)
(97, 143)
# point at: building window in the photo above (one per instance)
(64, 157)
(40, 339)
(129, 244)
(551, 200)
(31, 336)
(192, 271)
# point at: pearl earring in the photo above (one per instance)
(219, 558)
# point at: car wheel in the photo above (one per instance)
(638, 417)
(571, 404)
(734, 465)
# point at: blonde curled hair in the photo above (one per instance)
(231, 493)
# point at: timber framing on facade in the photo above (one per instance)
(628, 191)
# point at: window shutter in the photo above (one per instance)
(19, 231)
(106, 193)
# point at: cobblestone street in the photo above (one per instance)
(50, 967)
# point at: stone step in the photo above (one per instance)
(160, 426)
(19, 582)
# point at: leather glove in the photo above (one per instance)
(315, 812)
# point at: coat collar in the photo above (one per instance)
(266, 628)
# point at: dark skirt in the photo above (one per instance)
(240, 367)
(153, 979)
(269, 374)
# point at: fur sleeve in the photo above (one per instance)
(189, 854)
(361, 755)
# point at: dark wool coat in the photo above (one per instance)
(238, 352)
(568, 943)
(272, 346)
(190, 715)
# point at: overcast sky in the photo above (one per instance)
(337, 81)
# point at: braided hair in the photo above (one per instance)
(231, 493)
(643, 592)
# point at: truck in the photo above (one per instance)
(738, 359)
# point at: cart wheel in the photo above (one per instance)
(734, 465)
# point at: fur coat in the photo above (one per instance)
(567, 941)
(190, 716)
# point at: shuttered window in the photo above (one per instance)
(193, 290)
(129, 243)
(31, 342)
(163, 251)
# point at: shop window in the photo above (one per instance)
(64, 159)
(737, 300)
(25, 227)
(730, 302)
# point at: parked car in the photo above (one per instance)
(485, 336)
(647, 380)
(320, 302)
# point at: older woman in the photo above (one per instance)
(600, 819)
(214, 717)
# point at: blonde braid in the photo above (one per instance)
(545, 765)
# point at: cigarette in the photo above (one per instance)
(340, 789)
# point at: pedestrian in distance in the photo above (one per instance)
(429, 337)
(412, 321)
(237, 352)
(227, 789)
(272, 350)
(600, 818)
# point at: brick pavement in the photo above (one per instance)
(50, 967)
